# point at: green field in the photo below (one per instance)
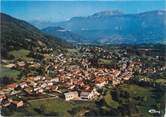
(151, 98)
(109, 101)
(55, 107)
(105, 61)
(161, 81)
(135, 90)
(22, 53)
(72, 52)
(134, 99)
(5, 72)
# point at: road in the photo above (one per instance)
(55, 97)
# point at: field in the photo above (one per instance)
(133, 100)
(161, 81)
(144, 98)
(110, 102)
(135, 90)
(105, 61)
(54, 107)
(5, 72)
(22, 53)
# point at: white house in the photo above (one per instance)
(21, 64)
(50, 83)
(55, 80)
(44, 85)
(37, 78)
(40, 90)
(101, 84)
(89, 95)
(84, 95)
(23, 85)
(71, 95)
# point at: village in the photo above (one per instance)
(66, 77)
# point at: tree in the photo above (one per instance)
(6, 112)
(41, 109)
(6, 80)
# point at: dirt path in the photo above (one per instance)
(55, 97)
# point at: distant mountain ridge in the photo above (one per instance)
(115, 27)
(107, 13)
(41, 24)
(63, 33)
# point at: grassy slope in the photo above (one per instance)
(17, 34)
(150, 95)
(5, 72)
(55, 105)
(109, 102)
(22, 53)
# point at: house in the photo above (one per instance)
(2, 97)
(37, 88)
(18, 103)
(87, 87)
(4, 61)
(5, 103)
(40, 90)
(21, 64)
(71, 95)
(50, 83)
(55, 80)
(89, 95)
(23, 85)
(93, 94)
(116, 73)
(126, 77)
(37, 78)
(28, 90)
(110, 78)
(2, 92)
(84, 95)
(44, 85)
(72, 87)
(34, 84)
(115, 82)
(100, 82)
(43, 78)
(48, 88)
(35, 65)
(12, 86)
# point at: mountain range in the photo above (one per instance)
(63, 33)
(114, 27)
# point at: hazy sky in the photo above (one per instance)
(64, 10)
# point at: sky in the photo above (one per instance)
(56, 11)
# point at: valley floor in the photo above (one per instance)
(84, 81)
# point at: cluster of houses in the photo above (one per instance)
(74, 83)
(6, 97)
(70, 81)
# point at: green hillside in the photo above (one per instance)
(17, 34)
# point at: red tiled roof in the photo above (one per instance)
(99, 79)
(14, 85)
